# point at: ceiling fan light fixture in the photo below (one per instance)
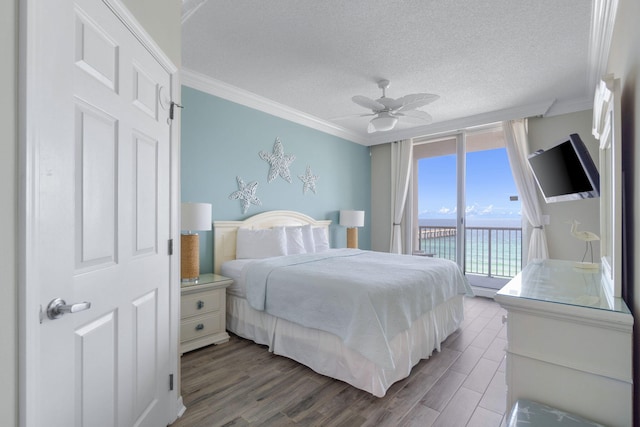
(387, 111)
(383, 122)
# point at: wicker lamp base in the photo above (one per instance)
(352, 238)
(189, 257)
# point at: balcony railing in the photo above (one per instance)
(489, 251)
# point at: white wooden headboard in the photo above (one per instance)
(224, 232)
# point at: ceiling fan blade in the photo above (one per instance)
(369, 103)
(350, 116)
(416, 114)
(416, 100)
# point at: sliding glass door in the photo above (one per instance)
(466, 207)
(440, 201)
(493, 215)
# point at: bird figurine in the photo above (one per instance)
(586, 236)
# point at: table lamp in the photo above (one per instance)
(352, 220)
(194, 217)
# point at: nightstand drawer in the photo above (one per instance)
(202, 302)
(201, 326)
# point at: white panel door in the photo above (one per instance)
(98, 208)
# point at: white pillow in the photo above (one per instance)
(299, 239)
(307, 239)
(260, 243)
(295, 242)
(321, 239)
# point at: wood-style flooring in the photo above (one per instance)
(240, 383)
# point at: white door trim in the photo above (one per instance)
(28, 291)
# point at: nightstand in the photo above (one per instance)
(203, 312)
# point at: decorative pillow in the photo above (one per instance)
(295, 242)
(321, 239)
(260, 243)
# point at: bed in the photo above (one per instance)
(367, 329)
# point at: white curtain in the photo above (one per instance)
(401, 159)
(515, 132)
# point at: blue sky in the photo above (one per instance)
(489, 185)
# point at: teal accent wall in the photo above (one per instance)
(221, 140)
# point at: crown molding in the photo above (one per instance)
(572, 106)
(189, 7)
(603, 18)
(538, 109)
(231, 93)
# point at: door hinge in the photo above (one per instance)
(170, 382)
(170, 246)
(173, 104)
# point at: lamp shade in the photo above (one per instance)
(352, 218)
(196, 216)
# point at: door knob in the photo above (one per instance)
(58, 307)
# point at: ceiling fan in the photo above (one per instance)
(387, 111)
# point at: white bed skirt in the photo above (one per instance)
(325, 353)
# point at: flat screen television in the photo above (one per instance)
(566, 171)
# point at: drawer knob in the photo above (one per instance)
(200, 304)
(199, 327)
(504, 319)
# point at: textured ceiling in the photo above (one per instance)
(485, 59)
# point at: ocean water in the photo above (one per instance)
(487, 251)
(473, 222)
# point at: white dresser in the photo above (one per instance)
(569, 343)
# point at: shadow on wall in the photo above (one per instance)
(628, 194)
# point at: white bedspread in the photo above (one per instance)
(364, 297)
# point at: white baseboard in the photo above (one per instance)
(180, 409)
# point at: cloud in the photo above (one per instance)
(487, 210)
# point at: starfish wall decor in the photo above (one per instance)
(246, 193)
(278, 161)
(309, 181)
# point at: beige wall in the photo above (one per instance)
(381, 197)
(8, 203)
(161, 18)
(624, 63)
(544, 133)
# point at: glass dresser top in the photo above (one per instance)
(563, 283)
